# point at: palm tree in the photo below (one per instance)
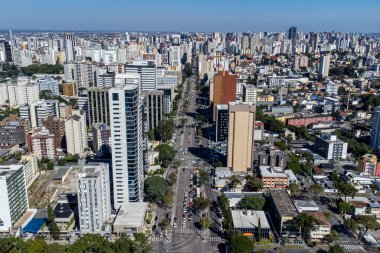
(234, 182)
(306, 223)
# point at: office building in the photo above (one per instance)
(56, 126)
(375, 132)
(224, 90)
(368, 165)
(330, 147)
(11, 134)
(76, 132)
(69, 89)
(70, 47)
(94, 201)
(153, 104)
(251, 223)
(241, 126)
(324, 66)
(48, 83)
(106, 79)
(126, 117)
(273, 177)
(39, 110)
(282, 214)
(221, 123)
(41, 143)
(249, 93)
(13, 196)
(101, 136)
(147, 71)
(98, 105)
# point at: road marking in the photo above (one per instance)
(354, 247)
(156, 239)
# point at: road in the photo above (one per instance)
(185, 235)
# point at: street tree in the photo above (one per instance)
(204, 177)
(332, 237)
(344, 207)
(252, 203)
(306, 223)
(336, 249)
(205, 223)
(201, 204)
(241, 244)
(155, 188)
(351, 224)
(166, 154)
(294, 189)
(172, 178)
(369, 222)
(167, 199)
(165, 129)
(164, 223)
(254, 184)
(315, 190)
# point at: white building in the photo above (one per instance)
(76, 132)
(127, 140)
(94, 201)
(22, 93)
(147, 71)
(330, 147)
(69, 47)
(13, 196)
(249, 93)
(30, 168)
(175, 57)
(40, 110)
(48, 83)
(324, 65)
(331, 88)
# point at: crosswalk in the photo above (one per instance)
(188, 231)
(215, 239)
(353, 247)
(157, 239)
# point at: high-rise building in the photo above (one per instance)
(70, 89)
(153, 101)
(76, 132)
(56, 126)
(241, 127)
(330, 147)
(6, 51)
(375, 132)
(224, 90)
(21, 93)
(94, 201)
(324, 65)
(101, 136)
(69, 47)
(249, 93)
(147, 71)
(126, 113)
(292, 35)
(41, 109)
(221, 123)
(41, 143)
(98, 105)
(13, 196)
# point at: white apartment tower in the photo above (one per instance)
(147, 71)
(69, 47)
(76, 132)
(94, 201)
(126, 114)
(324, 65)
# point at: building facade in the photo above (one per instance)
(330, 147)
(98, 106)
(153, 101)
(76, 132)
(224, 90)
(221, 123)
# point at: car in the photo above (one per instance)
(174, 225)
(189, 219)
(184, 210)
(184, 225)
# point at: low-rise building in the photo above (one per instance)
(130, 218)
(322, 227)
(273, 177)
(251, 223)
(306, 121)
(306, 206)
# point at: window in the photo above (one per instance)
(115, 97)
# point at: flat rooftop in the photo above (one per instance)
(284, 203)
(131, 214)
(249, 219)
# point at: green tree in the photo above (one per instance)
(151, 135)
(13, 245)
(36, 246)
(141, 243)
(52, 225)
(315, 190)
(336, 249)
(241, 244)
(332, 237)
(204, 177)
(50, 165)
(167, 199)
(164, 223)
(155, 188)
(205, 223)
(369, 222)
(281, 145)
(62, 162)
(124, 244)
(306, 223)
(183, 121)
(234, 181)
(56, 248)
(294, 189)
(351, 224)
(344, 207)
(252, 203)
(172, 178)
(254, 184)
(165, 129)
(218, 164)
(166, 154)
(90, 243)
(201, 204)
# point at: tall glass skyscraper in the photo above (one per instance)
(126, 111)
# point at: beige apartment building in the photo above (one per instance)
(241, 127)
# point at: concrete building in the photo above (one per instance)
(322, 227)
(273, 177)
(13, 196)
(22, 93)
(101, 136)
(241, 126)
(76, 132)
(94, 200)
(69, 89)
(268, 155)
(65, 110)
(368, 165)
(131, 218)
(375, 132)
(48, 83)
(147, 71)
(331, 88)
(41, 143)
(13, 133)
(126, 117)
(224, 90)
(249, 93)
(306, 121)
(221, 123)
(168, 96)
(324, 66)
(153, 101)
(56, 126)
(282, 213)
(31, 170)
(70, 43)
(306, 205)
(250, 223)
(328, 146)
(39, 110)
(98, 105)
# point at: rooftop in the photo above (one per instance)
(283, 203)
(131, 214)
(249, 219)
(267, 171)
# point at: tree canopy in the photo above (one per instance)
(252, 203)
(42, 69)
(155, 188)
(241, 244)
(166, 154)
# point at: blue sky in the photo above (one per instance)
(191, 15)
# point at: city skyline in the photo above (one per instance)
(222, 16)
